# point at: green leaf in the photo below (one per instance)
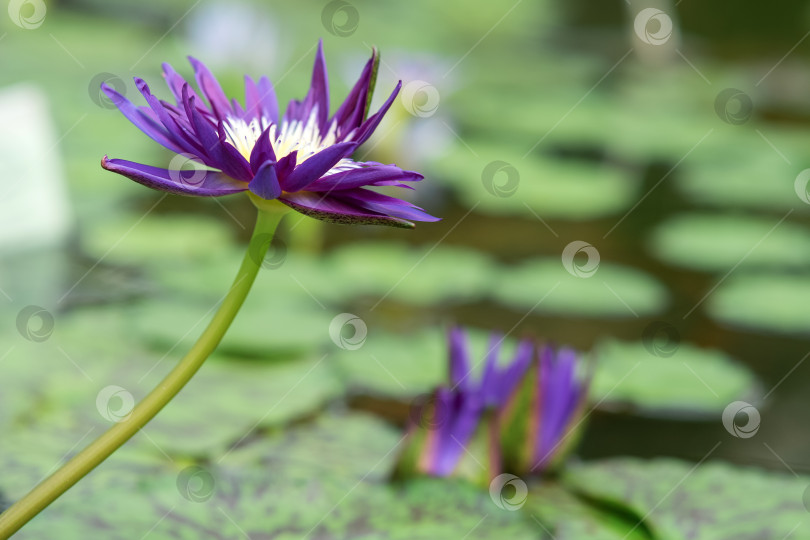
(709, 501)
(565, 515)
(765, 302)
(721, 242)
(533, 185)
(544, 286)
(325, 480)
(683, 381)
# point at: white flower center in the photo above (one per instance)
(303, 137)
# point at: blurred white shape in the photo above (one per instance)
(34, 206)
(233, 35)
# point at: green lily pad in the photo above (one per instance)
(228, 399)
(680, 381)
(567, 516)
(289, 494)
(710, 501)
(719, 243)
(544, 286)
(499, 180)
(746, 172)
(156, 239)
(419, 276)
(266, 327)
(766, 302)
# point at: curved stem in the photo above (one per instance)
(71, 472)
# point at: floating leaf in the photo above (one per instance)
(768, 302)
(544, 286)
(675, 379)
(721, 242)
(710, 501)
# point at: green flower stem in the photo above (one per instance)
(71, 472)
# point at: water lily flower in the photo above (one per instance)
(543, 420)
(518, 416)
(302, 159)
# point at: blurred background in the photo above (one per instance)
(627, 178)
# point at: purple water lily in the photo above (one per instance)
(460, 408)
(556, 407)
(302, 159)
(519, 416)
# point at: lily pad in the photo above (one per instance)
(496, 179)
(766, 302)
(710, 501)
(543, 285)
(721, 242)
(746, 172)
(420, 276)
(282, 497)
(266, 327)
(682, 381)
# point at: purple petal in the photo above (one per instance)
(211, 89)
(286, 165)
(459, 358)
(489, 379)
(516, 370)
(368, 127)
(260, 99)
(143, 121)
(352, 112)
(316, 166)
(262, 151)
(176, 83)
(336, 211)
(318, 95)
(383, 204)
(202, 183)
(377, 175)
(265, 183)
